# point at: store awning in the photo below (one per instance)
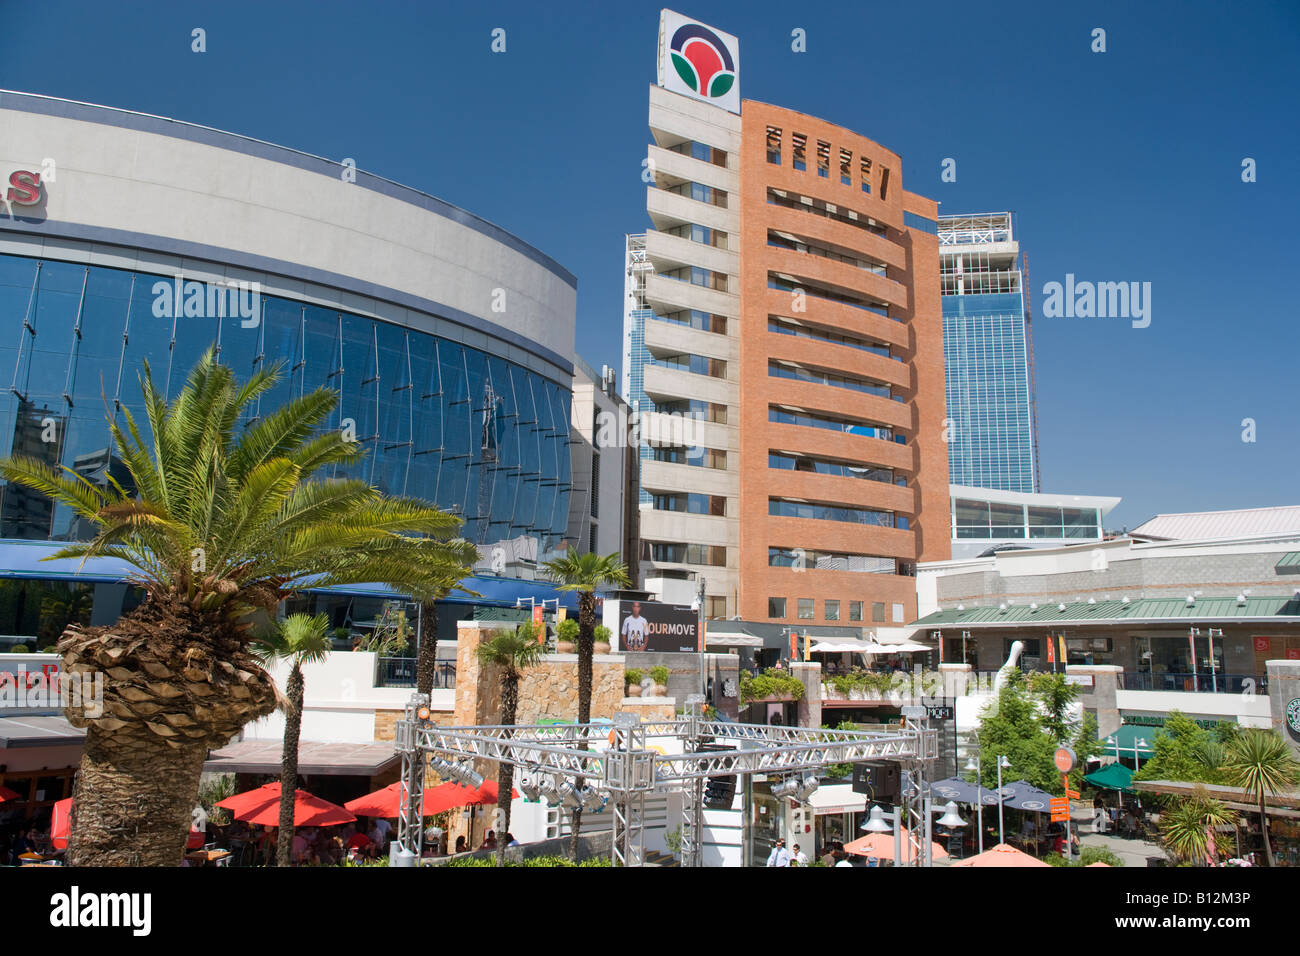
(1121, 743)
(837, 798)
(1289, 564)
(731, 640)
(1113, 776)
(831, 645)
(328, 759)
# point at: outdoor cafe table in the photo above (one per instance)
(207, 857)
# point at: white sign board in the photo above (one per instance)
(1083, 680)
(699, 61)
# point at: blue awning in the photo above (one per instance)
(25, 559)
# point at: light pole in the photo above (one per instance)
(699, 634)
(1137, 764)
(1214, 668)
(1113, 740)
(973, 763)
(1002, 762)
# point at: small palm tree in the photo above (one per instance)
(512, 653)
(226, 516)
(585, 573)
(1260, 762)
(301, 639)
(1185, 828)
(461, 555)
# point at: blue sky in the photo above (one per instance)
(1120, 166)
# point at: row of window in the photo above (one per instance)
(819, 207)
(701, 234)
(690, 503)
(701, 151)
(815, 376)
(807, 610)
(695, 364)
(803, 559)
(788, 508)
(682, 455)
(847, 426)
(800, 330)
(694, 408)
(698, 276)
(785, 283)
(695, 319)
(799, 160)
(837, 469)
(675, 552)
(700, 193)
(780, 240)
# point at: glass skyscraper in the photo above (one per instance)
(987, 355)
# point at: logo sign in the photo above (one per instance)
(1060, 809)
(913, 712)
(698, 61)
(1293, 718)
(25, 189)
(1064, 759)
(939, 712)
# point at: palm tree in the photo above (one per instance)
(585, 573)
(301, 639)
(1185, 828)
(1260, 762)
(224, 521)
(427, 595)
(512, 653)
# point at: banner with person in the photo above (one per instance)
(662, 628)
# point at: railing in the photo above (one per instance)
(1203, 682)
(401, 671)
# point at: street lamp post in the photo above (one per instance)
(1137, 764)
(1002, 762)
(699, 634)
(973, 763)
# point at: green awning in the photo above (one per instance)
(1290, 564)
(1127, 738)
(1113, 776)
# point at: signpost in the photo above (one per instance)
(1060, 806)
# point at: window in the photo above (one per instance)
(715, 607)
(701, 234)
(785, 508)
(695, 319)
(690, 503)
(823, 159)
(695, 364)
(700, 193)
(783, 326)
(878, 612)
(829, 423)
(855, 610)
(700, 151)
(785, 283)
(697, 276)
(819, 207)
(774, 147)
(595, 484)
(776, 607)
(827, 466)
(846, 167)
(784, 240)
(694, 408)
(808, 560)
(778, 369)
(884, 182)
(682, 455)
(678, 553)
(866, 175)
(898, 613)
(799, 143)
(806, 609)
(832, 610)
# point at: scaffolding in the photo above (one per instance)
(621, 767)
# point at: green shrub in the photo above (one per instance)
(659, 675)
(567, 630)
(771, 683)
(19, 649)
(543, 861)
(632, 675)
(601, 634)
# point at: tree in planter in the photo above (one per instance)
(1185, 828)
(1260, 762)
(566, 632)
(511, 653)
(585, 573)
(225, 520)
(300, 639)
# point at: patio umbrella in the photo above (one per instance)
(1114, 776)
(7, 794)
(1001, 855)
(61, 824)
(961, 791)
(1098, 863)
(386, 802)
(451, 795)
(262, 806)
(1021, 796)
(881, 846)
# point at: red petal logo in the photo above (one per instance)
(705, 59)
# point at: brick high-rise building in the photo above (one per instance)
(786, 302)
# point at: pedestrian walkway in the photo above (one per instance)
(1132, 852)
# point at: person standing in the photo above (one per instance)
(779, 856)
(634, 629)
(799, 857)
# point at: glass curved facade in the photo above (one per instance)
(472, 432)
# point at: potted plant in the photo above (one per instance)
(660, 676)
(601, 634)
(566, 636)
(632, 676)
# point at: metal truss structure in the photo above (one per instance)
(624, 769)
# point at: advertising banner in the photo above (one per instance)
(650, 626)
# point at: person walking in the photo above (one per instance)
(800, 858)
(779, 856)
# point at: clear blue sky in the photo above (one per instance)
(1122, 166)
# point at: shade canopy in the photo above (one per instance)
(1022, 796)
(1129, 737)
(7, 794)
(262, 806)
(881, 846)
(1114, 776)
(1002, 855)
(451, 795)
(841, 647)
(960, 791)
(385, 802)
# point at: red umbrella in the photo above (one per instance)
(61, 824)
(450, 795)
(382, 803)
(262, 806)
(7, 794)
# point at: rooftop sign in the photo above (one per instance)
(698, 61)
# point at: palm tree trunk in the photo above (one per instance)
(289, 765)
(586, 648)
(133, 802)
(506, 771)
(1263, 828)
(426, 657)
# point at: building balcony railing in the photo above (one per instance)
(1203, 682)
(401, 671)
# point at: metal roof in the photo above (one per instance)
(1282, 609)
(52, 731)
(1289, 563)
(1194, 525)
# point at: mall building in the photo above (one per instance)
(128, 239)
(783, 346)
